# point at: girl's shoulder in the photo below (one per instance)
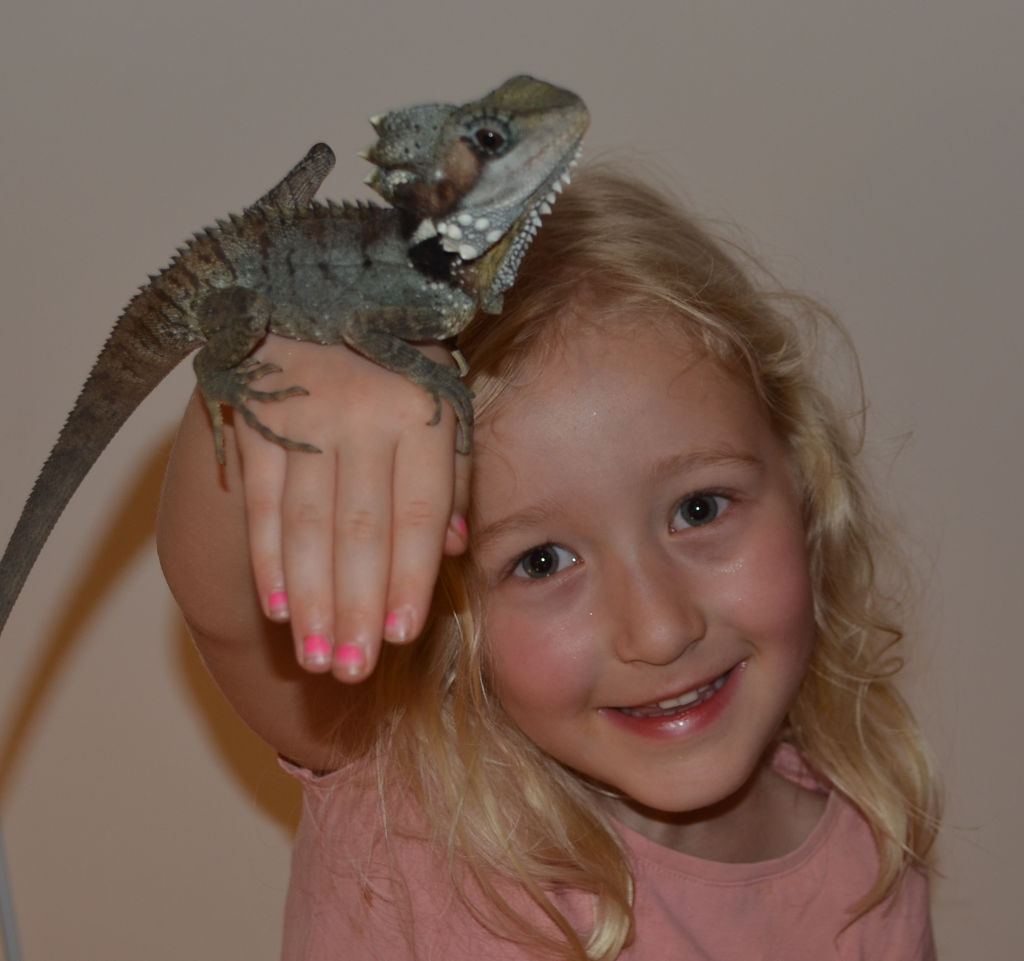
(368, 876)
(802, 904)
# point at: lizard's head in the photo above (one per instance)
(476, 179)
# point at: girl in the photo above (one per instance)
(651, 713)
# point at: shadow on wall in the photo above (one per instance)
(131, 531)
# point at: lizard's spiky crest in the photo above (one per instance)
(167, 318)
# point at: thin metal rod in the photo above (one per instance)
(8, 921)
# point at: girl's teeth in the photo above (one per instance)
(684, 700)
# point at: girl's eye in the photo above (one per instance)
(698, 510)
(543, 561)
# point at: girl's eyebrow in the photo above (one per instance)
(527, 519)
(703, 458)
(674, 465)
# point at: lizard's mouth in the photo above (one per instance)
(497, 269)
(471, 235)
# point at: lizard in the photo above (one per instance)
(466, 187)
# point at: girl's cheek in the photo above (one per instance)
(787, 597)
(540, 663)
(770, 598)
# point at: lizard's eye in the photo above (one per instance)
(489, 140)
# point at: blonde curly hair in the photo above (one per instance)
(506, 812)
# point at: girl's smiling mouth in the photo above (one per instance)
(683, 715)
(676, 705)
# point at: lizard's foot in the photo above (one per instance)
(251, 370)
(256, 424)
(363, 333)
(443, 382)
(231, 387)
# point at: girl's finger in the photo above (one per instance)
(424, 479)
(457, 536)
(362, 533)
(307, 549)
(265, 466)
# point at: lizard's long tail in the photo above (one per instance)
(148, 341)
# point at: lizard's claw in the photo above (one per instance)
(443, 382)
(256, 424)
(231, 387)
(252, 369)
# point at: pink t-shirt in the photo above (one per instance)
(347, 901)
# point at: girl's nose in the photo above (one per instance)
(655, 610)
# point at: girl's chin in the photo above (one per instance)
(705, 820)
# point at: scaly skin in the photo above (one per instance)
(467, 186)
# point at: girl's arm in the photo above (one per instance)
(291, 567)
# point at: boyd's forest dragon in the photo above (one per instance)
(467, 187)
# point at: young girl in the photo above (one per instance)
(650, 712)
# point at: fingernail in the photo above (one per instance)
(316, 650)
(459, 523)
(350, 658)
(277, 604)
(398, 626)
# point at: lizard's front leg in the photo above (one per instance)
(368, 332)
(234, 321)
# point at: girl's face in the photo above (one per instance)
(648, 605)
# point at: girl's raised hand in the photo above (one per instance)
(346, 544)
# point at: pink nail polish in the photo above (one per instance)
(397, 626)
(350, 657)
(277, 604)
(316, 650)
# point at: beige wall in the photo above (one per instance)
(873, 152)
